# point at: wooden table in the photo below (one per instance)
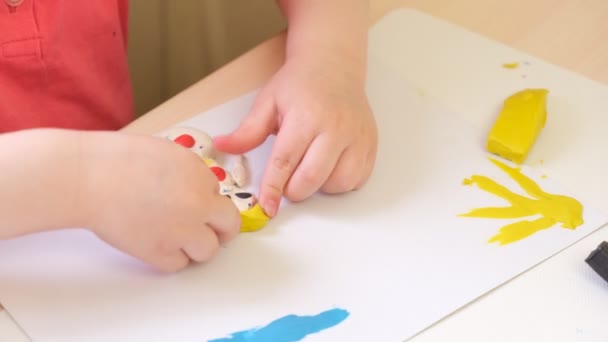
(568, 33)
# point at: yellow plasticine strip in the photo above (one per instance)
(253, 219)
(518, 125)
(513, 65)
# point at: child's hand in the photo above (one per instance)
(326, 132)
(153, 199)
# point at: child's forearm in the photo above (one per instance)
(39, 181)
(336, 26)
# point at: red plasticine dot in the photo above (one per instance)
(219, 172)
(185, 140)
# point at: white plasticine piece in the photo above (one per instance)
(227, 185)
(201, 144)
(239, 171)
(243, 200)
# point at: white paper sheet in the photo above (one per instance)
(394, 254)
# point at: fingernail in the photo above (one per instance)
(270, 207)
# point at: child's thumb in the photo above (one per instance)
(252, 132)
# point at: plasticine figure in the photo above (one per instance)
(252, 216)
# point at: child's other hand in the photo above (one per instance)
(326, 132)
(153, 200)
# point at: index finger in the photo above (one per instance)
(287, 152)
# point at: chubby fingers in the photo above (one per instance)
(202, 244)
(199, 241)
(298, 168)
(169, 262)
(350, 172)
(253, 130)
(315, 168)
(223, 218)
(288, 150)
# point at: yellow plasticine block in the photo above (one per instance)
(253, 219)
(517, 127)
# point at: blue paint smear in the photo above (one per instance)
(290, 328)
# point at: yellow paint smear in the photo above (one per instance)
(553, 209)
(518, 125)
(513, 65)
(253, 219)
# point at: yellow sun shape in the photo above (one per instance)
(551, 208)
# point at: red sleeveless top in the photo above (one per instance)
(63, 63)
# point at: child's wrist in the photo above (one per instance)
(350, 73)
(66, 168)
(96, 175)
(84, 196)
(325, 53)
(325, 28)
